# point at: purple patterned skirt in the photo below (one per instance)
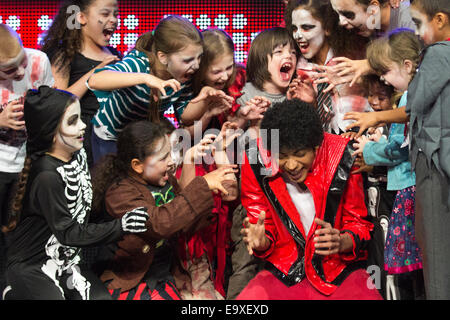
(401, 252)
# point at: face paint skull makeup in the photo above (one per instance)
(308, 33)
(14, 69)
(70, 135)
(352, 15)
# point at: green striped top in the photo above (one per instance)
(122, 106)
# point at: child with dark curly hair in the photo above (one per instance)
(308, 223)
(76, 52)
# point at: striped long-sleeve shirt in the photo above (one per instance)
(122, 106)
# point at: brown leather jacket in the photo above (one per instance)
(190, 209)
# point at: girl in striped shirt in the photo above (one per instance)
(153, 79)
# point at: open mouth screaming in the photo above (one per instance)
(108, 33)
(286, 71)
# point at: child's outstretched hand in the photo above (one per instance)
(227, 134)
(349, 134)
(254, 109)
(194, 154)
(211, 94)
(345, 71)
(134, 221)
(158, 85)
(254, 235)
(216, 177)
(363, 120)
(303, 90)
(359, 145)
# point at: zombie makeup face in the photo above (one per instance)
(100, 21)
(183, 64)
(352, 15)
(425, 28)
(308, 33)
(281, 66)
(220, 71)
(156, 167)
(14, 69)
(70, 135)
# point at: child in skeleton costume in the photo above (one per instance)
(52, 206)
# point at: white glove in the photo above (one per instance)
(134, 221)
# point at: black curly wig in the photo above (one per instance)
(298, 123)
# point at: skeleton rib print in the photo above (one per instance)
(78, 189)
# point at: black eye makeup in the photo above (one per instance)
(348, 14)
(307, 27)
(10, 71)
(72, 120)
(417, 22)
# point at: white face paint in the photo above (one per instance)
(184, 63)
(69, 138)
(353, 15)
(308, 33)
(424, 28)
(14, 69)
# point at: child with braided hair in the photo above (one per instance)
(50, 219)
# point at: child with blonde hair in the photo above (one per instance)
(396, 58)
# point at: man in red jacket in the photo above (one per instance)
(306, 212)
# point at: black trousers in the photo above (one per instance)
(28, 282)
(7, 181)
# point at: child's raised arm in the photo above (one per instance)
(208, 100)
(365, 120)
(108, 80)
(217, 145)
(192, 157)
(345, 71)
(227, 135)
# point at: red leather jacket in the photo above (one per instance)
(338, 199)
